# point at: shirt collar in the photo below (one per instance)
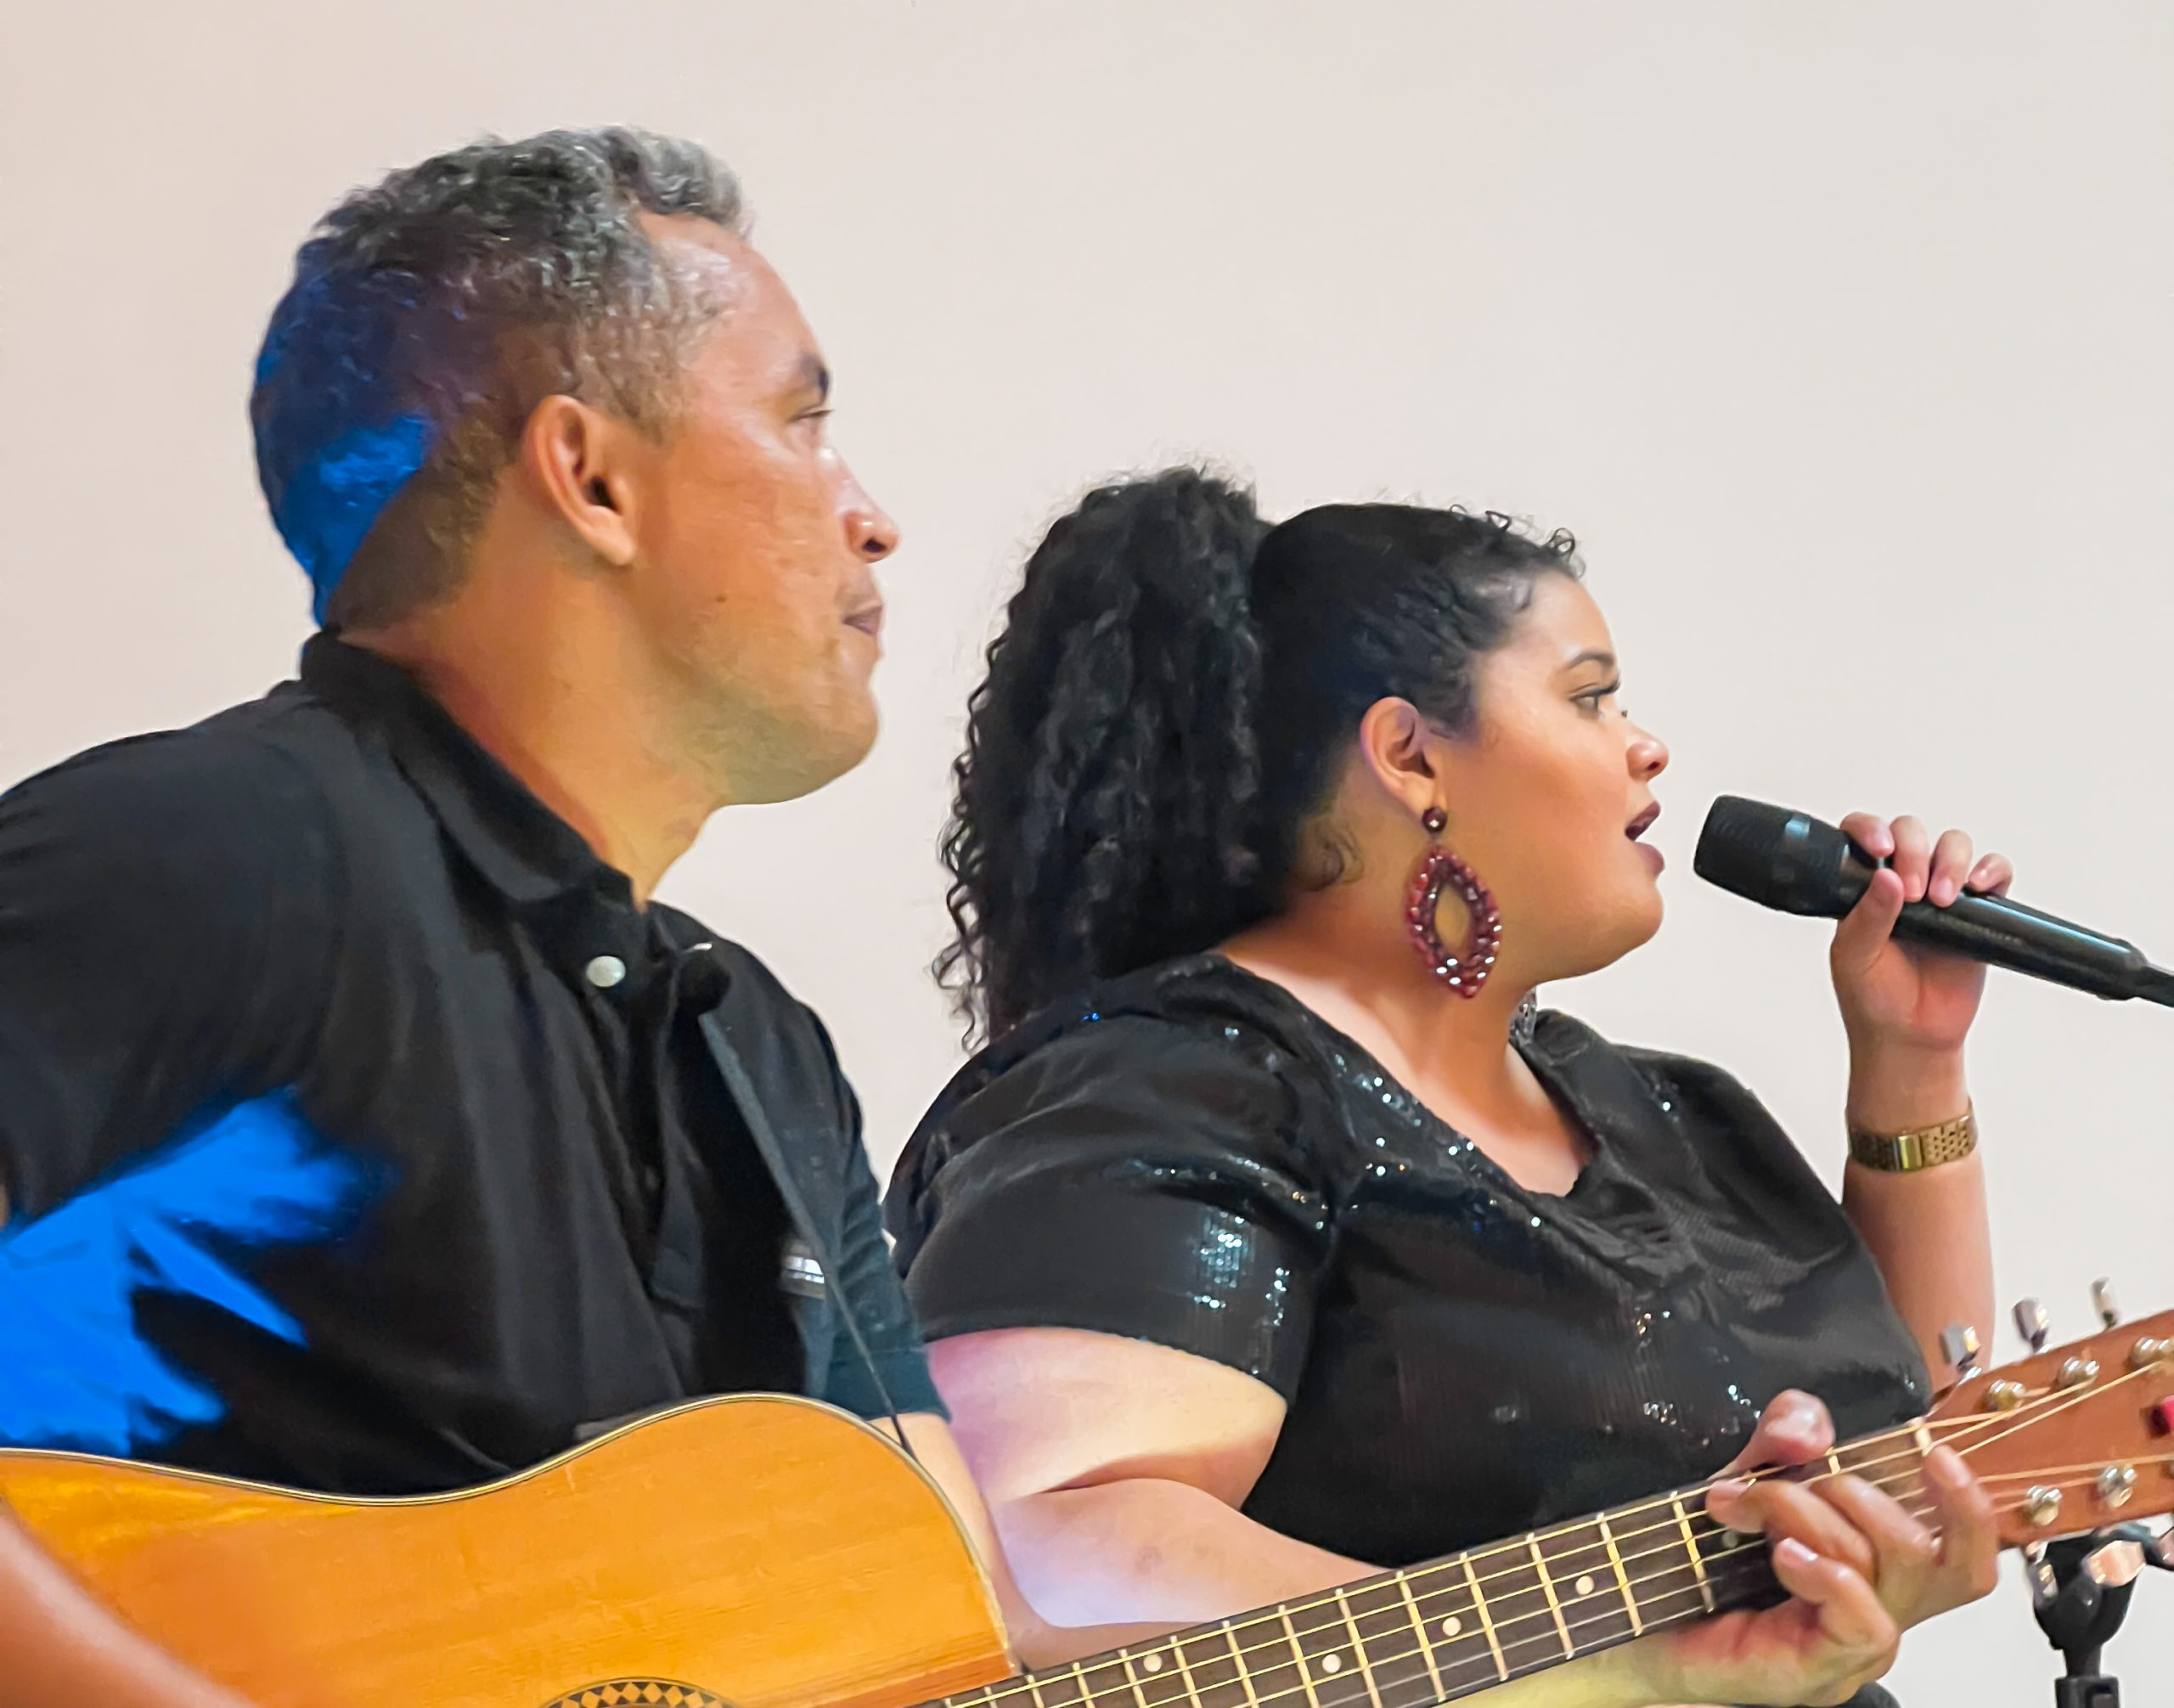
(520, 846)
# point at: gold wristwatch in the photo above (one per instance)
(1905, 1153)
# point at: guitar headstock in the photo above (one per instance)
(2071, 1438)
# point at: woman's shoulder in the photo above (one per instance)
(1183, 1056)
(1578, 1053)
(1690, 1122)
(1198, 1009)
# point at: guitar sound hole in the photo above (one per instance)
(639, 1693)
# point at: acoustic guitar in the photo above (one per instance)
(774, 1552)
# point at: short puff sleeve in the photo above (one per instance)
(1132, 1175)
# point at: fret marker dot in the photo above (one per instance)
(1586, 1586)
(1451, 1625)
(1154, 1663)
(1333, 1663)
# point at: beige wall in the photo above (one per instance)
(1841, 335)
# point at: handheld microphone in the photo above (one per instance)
(1791, 861)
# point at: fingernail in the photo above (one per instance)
(1944, 1463)
(1793, 1552)
(1732, 1488)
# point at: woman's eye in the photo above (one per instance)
(1594, 699)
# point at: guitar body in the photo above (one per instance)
(761, 1552)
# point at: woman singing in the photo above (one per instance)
(1273, 1240)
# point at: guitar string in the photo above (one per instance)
(1279, 1641)
(1717, 1563)
(1718, 1559)
(1310, 1685)
(2000, 1425)
(1283, 1644)
(2049, 1405)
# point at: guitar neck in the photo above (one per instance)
(1434, 1633)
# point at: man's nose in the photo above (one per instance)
(869, 528)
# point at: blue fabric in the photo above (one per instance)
(75, 1371)
(325, 509)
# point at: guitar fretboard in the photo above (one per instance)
(1432, 1633)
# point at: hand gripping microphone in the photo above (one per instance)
(1791, 861)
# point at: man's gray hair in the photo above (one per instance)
(430, 314)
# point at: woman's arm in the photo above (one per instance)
(1907, 1011)
(1113, 1469)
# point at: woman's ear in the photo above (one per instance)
(1394, 743)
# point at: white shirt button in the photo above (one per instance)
(604, 972)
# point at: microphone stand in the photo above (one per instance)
(2080, 1592)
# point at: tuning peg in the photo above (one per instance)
(1958, 1345)
(2032, 1323)
(2104, 1302)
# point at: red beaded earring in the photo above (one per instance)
(1466, 970)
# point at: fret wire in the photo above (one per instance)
(1184, 1671)
(1486, 1618)
(1131, 1679)
(1690, 1546)
(1465, 1563)
(1245, 1674)
(1493, 1628)
(1754, 1544)
(1674, 1501)
(1622, 1580)
(1359, 1648)
(1419, 1631)
(1554, 1605)
(1500, 1650)
(1297, 1657)
(1507, 1670)
(1088, 1693)
(1659, 1505)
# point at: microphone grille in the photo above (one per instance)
(1772, 855)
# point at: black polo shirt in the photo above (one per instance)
(360, 1133)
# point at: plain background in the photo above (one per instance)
(1843, 336)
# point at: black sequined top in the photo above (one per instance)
(1190, 1156)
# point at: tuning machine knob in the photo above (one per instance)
(2116, 1484)
(1958, 1345)
(2104, 1302)
(2032, 1323)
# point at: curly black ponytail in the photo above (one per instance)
(1165, 707)
(1104, 805)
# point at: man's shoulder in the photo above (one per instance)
(263, 747)
(242, 783)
